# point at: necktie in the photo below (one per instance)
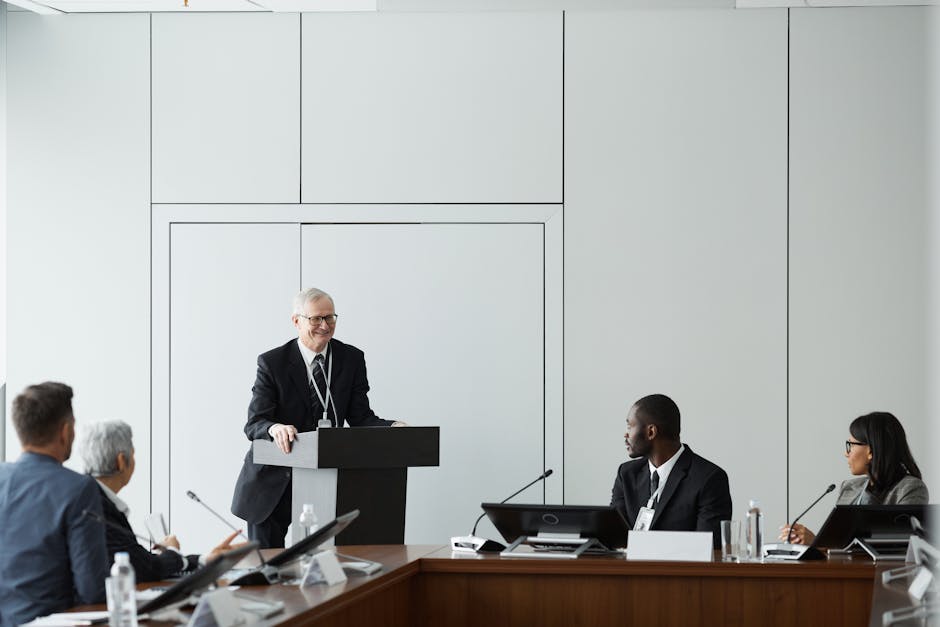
(320, 382)
(654, 483)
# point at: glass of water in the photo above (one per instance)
(730, 540)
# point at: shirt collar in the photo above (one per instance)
(114, 498)
(664, 470)
(310, 355)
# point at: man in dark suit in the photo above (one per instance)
(667, 486)
(107, 449)
(309, 379)
(52, 557)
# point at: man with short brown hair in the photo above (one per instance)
(52, 556)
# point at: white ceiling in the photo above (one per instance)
(294, 6)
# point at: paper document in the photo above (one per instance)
(156, 526)
(66, 619)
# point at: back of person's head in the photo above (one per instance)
(662, 411)
(891, 457)
(101, 443)
(40, 410)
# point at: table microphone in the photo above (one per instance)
(787, 551)
(474, 544)
(831, 487)
(265, 574)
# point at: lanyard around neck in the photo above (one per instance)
(327, 375)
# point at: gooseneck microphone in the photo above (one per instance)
(831, 487)
(193, 496)
(107, 523)
(472, 543)
(544, 475)
(265, 574)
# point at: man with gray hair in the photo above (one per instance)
(311, 378)
(108, 452)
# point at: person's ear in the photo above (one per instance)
(65, 432)
(121, 462)
(651, 431)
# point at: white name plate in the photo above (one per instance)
(679, 546)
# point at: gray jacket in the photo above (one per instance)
(908, 491)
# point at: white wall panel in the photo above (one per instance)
(675, 240)
(226, 107)
(78, 150)
(461, 107)
(857, 243)
(450, 317)
(231, 293)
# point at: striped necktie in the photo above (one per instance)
(320, 382)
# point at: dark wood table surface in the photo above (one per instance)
(429, 586)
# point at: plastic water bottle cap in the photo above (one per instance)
(122, 558)
(753, 503)
(308, 508)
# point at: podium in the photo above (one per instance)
(364, 468)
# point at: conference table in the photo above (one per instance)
(430, 586)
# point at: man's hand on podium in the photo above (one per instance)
(399, 423)
(283, 435)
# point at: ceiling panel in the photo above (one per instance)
(147, 6)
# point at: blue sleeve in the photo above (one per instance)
(88, 552)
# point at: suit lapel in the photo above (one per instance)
(297, 371)
(676, 476)
(642, 486)
(339, 362)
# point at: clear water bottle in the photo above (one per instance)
(122, 604)
(308, 519)
(755, 532)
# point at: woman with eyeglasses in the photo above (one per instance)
(885, 471)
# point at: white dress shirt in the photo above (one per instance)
(663, 472)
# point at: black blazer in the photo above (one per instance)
(281, 394)
(147, 566)
(696, 496)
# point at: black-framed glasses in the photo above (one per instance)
(849, 444)
(318, 320)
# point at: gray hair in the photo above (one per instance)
(308, 295)
(101, 443)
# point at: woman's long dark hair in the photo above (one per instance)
(891, 457)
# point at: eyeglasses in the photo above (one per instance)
(849, 444)
(318, 320)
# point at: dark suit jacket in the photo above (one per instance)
(695, 498)
(147, 566)
(281, 394)
(52, 557)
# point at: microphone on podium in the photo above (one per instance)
(787, 551)
(474, 544)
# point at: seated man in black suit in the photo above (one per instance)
(667, 487)
(108, 452)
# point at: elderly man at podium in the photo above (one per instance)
(313, 380)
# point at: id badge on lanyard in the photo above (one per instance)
(325, 402)
(644, 519)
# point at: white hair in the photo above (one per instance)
(100, 444)
(306, 296)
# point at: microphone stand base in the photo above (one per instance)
(264, 576)
(474, 544)
(792, 552)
